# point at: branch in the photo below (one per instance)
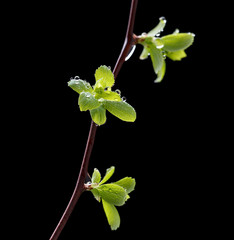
(129, 39)
(79, 188)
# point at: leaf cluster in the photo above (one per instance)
(100, 97)
(172, 46)
(111, 194)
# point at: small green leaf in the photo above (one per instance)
(161, 73)
(112, 215)
(98, 115)
(96, 195)
(104, 77)
(156, 57)
(122, 110)
(109, 172)
(96, 176)
(112, 193)
(80, 86)
(177, 56)
(158, 28)
(107, 94)
(145, 53)
(176, 42)
(87, 101)
(127, 183)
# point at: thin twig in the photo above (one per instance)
(79, 188)
(129, 39)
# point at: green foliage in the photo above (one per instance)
(111, 194)
(100, 97)
(171, 46)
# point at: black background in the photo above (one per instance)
(52, 43)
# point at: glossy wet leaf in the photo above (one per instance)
(98, 115)
(107, 95)
(80, 86)
(127, 183)
(158, 28)
(87, 101)
(96, 195)
(176, 56)
(145, 53)
(177, 42)
(121, 109)
(96, 176)
(156, 57)
(109, 172)
(104, 77)
(161, 73)
(112, 193)
(112, 215)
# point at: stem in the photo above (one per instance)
(129, 39)
(79, 188)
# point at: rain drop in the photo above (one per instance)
(118, 91)
(163, 19)
(124, 99)
(77, 77)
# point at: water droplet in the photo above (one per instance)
(192, 34)
(163, 19)
(71, 78)
(118, 91)
(109, 67)
(159, 43)
(130, 52)
(124, 99)
(77, 77)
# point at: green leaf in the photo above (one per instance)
(177, 56)
(161, 73)
(112, 215)
(112, 193)
(156, 57)
(107, 94)
(98, 115)
(104, 77)
(127, 183)
(122, 110)
(176, 42)
(87, 101)
(158, 28)
(109, 172)
(80, 86)
(145, 53)
(96, 176)
(96, 195)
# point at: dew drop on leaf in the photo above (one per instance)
(163, 19)
(118, 91)
(77, 77)
(124, 99)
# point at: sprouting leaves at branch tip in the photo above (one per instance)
(172, 46)
(100, 97)
(111, 194)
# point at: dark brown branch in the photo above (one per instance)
(129, 39)
(79, 188)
